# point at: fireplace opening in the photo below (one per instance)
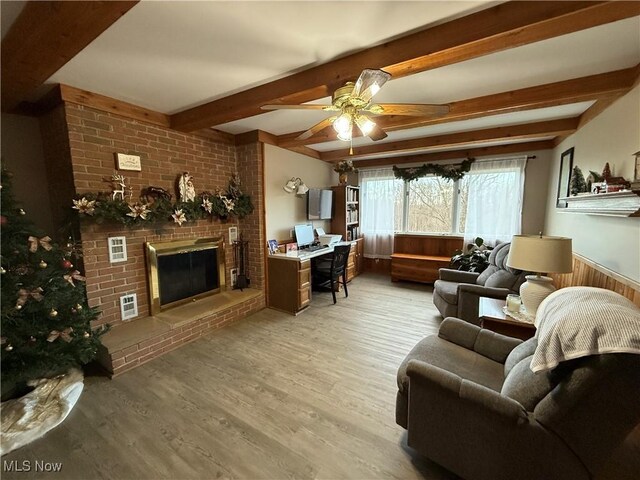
(182, 270)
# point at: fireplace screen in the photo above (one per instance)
(183, 270)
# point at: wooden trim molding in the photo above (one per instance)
(111, 105)
(515, 132)
(457, 154)
(588, 273)
(45, 36)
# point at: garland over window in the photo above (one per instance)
(448, 172)
(102, 207)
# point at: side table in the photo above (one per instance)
(493, 317)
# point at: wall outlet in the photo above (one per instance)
(234, 276)
(233, 234)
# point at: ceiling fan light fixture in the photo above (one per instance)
(345, 136)
(365, 124)
(343, 125)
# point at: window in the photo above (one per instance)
(487, 202)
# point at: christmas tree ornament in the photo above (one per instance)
(86, 334)
(9, 348)
(32, 339)
(18, 307)
(74, 311)
(67, 264)
(24, 294)
(79, 307)
(22, 212)
(2, 270)
(64, 335)
(3, 220)
(53, 313)
(42, 264)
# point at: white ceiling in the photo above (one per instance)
(172, 55)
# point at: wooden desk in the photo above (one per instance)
(290, 276)
(493, 317)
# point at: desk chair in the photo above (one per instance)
(329, 274)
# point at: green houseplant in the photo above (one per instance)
(475, 258)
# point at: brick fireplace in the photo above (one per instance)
(80, 143)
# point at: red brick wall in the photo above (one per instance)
(250, 169)
(93, 138)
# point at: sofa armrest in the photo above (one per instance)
(469, 298)
(459, 276)
(484, 342)
(450, 389)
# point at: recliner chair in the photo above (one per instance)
(457, 293)
(471, 403)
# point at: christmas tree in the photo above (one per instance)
(577, 184)
(45, 317)
(606, 172)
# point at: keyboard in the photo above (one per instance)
(314, 248)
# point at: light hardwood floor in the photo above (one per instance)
(272, 396)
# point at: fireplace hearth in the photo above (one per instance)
(183, 270)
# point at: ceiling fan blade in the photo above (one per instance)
(304, 106)
(408, 109)
(369, 83)
(377, 133)
(316, 128)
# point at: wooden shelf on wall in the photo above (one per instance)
(625, 203)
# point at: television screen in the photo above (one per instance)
(319, 204)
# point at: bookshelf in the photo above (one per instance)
(346, 212)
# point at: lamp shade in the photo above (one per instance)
(540, 254)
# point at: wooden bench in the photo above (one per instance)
(418, 258)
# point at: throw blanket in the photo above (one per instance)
(575, 322)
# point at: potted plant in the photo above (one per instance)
(343, 168)
(475, 259)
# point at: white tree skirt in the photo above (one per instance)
(28, 418)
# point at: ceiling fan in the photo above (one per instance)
(353, 101)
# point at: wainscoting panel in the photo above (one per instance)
(590, 274)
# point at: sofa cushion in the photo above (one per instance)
(456, 359)
(501, 279)
(447, 290)
(490, 270)
(526, 387)
(524, 350)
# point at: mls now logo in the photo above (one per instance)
(28, 466)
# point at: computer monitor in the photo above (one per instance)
(304, 235)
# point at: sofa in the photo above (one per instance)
(456, 293)
(471, 403)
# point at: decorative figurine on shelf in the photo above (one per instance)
(606, 173)
(577, 184)
(343, 168)
(119, 186)
(186, 188)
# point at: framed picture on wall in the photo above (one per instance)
(564, 177)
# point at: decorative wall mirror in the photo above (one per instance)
(564, 177)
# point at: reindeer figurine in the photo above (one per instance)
(121, 182)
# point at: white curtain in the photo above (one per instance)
(377, 210)
(494, 205)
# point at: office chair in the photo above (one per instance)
(326, 274)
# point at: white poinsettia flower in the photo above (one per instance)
(179, 217)
(138, 210)
(85, 206)
(207, 205)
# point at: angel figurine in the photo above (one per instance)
(187, 190)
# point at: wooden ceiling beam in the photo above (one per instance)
(504, 26)
(457, 154)
(513, 132)
(592, 87)
(45, 36)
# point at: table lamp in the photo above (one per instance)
(538, 253)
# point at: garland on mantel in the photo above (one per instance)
(448, 172)
(101, 207)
